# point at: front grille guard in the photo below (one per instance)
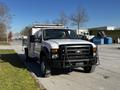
(64, 55)
(65, 52)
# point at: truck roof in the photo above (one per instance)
(36, 28)
(49, 26)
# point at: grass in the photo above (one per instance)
(13, 74)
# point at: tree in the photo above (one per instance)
(79, 17)
(47, 22)
(5, 18)
(25, 31)
(62, 19)
(2, 31)
(10, 35)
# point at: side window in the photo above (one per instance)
(38, 35)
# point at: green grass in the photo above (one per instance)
(13, 74)
(6, 51)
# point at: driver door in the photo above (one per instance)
(38, 39)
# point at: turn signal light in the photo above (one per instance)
(54, 51)
(94, 49)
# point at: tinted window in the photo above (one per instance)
(59, 34)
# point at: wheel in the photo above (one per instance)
(44, 67)
(89, 69)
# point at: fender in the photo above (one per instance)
(45, 51)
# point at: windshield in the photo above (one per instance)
(59, 34)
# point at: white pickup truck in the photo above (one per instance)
(61, 48)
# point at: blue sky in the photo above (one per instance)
(26, 12)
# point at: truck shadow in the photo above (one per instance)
(61, 71)
(12, 59)
(32, 66)
(66, 71)
(79, 70)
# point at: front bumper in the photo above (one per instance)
(74, 63)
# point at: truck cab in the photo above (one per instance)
(61, 48)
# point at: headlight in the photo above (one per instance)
(94, 51)
(54, 53)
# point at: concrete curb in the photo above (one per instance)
(40, 85)
(32, 74)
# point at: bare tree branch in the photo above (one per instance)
(25, 31)
(62, 19)
(5, 18)
(79, 17)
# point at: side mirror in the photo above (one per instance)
(32, 38)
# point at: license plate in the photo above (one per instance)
(79, 64)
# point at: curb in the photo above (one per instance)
(32, 74)
(40, 85)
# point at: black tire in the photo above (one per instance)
(44, 67)
(89, 69)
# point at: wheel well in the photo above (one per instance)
(42, 54)
(47, 57)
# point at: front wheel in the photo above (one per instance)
(45, 70)
(89, 69)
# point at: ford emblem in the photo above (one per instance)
(78, 51)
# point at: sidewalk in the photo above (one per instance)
(17, 48)
(6, 47)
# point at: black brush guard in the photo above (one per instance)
(74, 55)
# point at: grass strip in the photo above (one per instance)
(13, 73)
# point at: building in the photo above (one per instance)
(82, 31)
(17, 36)
(103, 28)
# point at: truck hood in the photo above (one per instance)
(54, 43)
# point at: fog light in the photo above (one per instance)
(94, 54)
(54, 56)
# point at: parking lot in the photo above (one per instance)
(105, 77)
